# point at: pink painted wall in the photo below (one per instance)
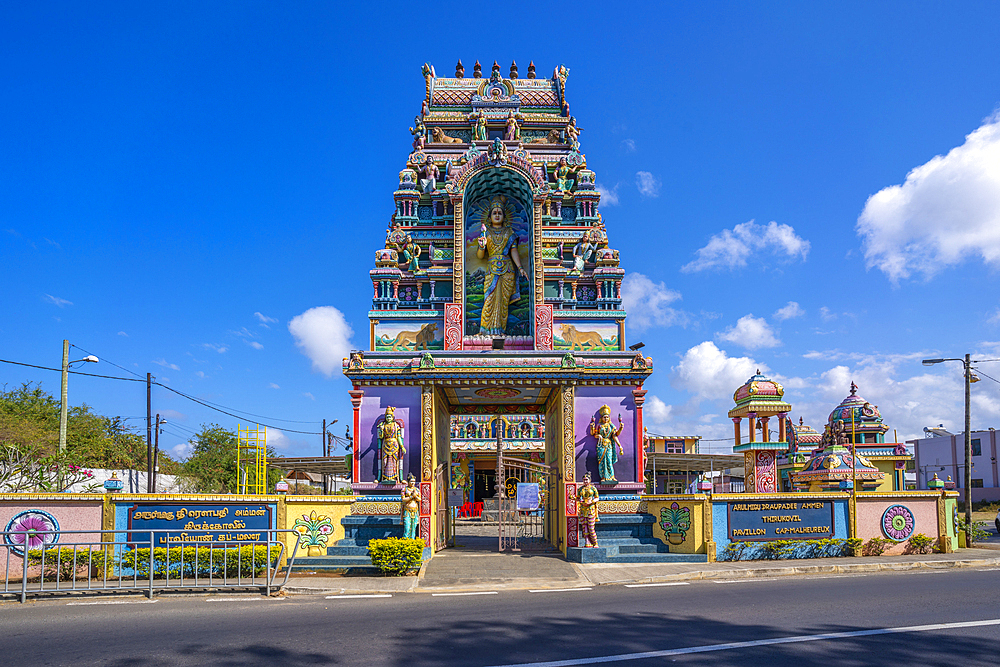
(71, 515)
(870, 511)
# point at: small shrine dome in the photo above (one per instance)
(760, 396)
(856, 415)
(806, 437)
(758, 385)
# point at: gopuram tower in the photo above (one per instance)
(495, 292)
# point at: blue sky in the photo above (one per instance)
(179, 183)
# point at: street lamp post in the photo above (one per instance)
(64, 403)
(967, 365)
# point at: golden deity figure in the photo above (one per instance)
(586, 499)
(608, 445)
(499, 242)
(409, 508)
(391, 450)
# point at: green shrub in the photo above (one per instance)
(919, 544)
(395, 556)
(190, 561)
(975, 533)
(853, 547)
(876, 546)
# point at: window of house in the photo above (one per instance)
(977, 483)
(977, 448)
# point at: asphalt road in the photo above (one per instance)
(764, 622)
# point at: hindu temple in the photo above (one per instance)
(497, 352)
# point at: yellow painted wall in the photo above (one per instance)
(334, 507)
(695, 540)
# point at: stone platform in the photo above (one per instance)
(628, 538)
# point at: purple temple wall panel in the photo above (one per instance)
(588, 401)
(406, 400)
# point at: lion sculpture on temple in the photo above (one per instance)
(439, 137)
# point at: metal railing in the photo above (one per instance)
(115, 561)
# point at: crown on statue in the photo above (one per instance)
(605, 410)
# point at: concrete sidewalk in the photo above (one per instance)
(520, 573)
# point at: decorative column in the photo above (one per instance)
(639, 396)
(736, 430)
(567, 400)
(765, 436)
(426, 461)
(356, 396)
(782, 430)
(752, 418)
(458, 264)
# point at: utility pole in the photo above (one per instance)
(63, 409)
(968, 448)
(326, 452)
(156, 452)
(149, 432)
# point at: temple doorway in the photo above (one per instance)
(499, 470)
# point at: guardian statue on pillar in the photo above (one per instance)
(409, 508)
(391, 450)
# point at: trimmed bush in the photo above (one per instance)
(876, 546)
(395, 556)
(919, 544)
(245, 560)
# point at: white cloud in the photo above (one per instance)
(122, 333)
(648, 303)
(789, 312)
(309, 395)
(221, 349)
(628, 145)
(264, 319)
(62, 303)
(731, 248)
(995, 319)
(649, 185)
(173, 415)
(945, 211)
(750, 332)
(323, 335)
(827, 314)
(273, 386)
(166, 364)
(709, 373)
(275, 438)
(656, 412)
(200, 374)
(608, 197)
(255, 345)
(244, 333)
(181, 451)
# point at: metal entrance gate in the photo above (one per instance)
(524, 528)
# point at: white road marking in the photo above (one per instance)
(757, 642)
(739, 581)
(71, 604)
(665, 583)
(255, 599)
(442, 595)
(556, 590)
(355, 597)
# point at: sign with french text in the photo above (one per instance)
(751, 521)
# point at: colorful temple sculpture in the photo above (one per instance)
(852, 453)
(758, 400)
(497, 340)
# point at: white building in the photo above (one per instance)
(943, 453)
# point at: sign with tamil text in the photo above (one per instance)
(780, 520)
(194, 522)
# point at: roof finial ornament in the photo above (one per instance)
(531, 70)
(513, 69)
(495, 72)
(758, 371)
(459, 70)
(854, 388)
(800, 420)
(477, 70)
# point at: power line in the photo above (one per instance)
(219, 405)
(179, 393)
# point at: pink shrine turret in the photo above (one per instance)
(758, 400)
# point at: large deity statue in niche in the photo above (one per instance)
(497, 268)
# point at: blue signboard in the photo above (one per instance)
(195, 522)
(751, 521)
(527, 496)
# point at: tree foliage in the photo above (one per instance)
(212, 464)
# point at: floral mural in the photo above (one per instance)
(40, 529)
(314, 530)
(676, 522)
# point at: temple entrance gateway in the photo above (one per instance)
(496, 317)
